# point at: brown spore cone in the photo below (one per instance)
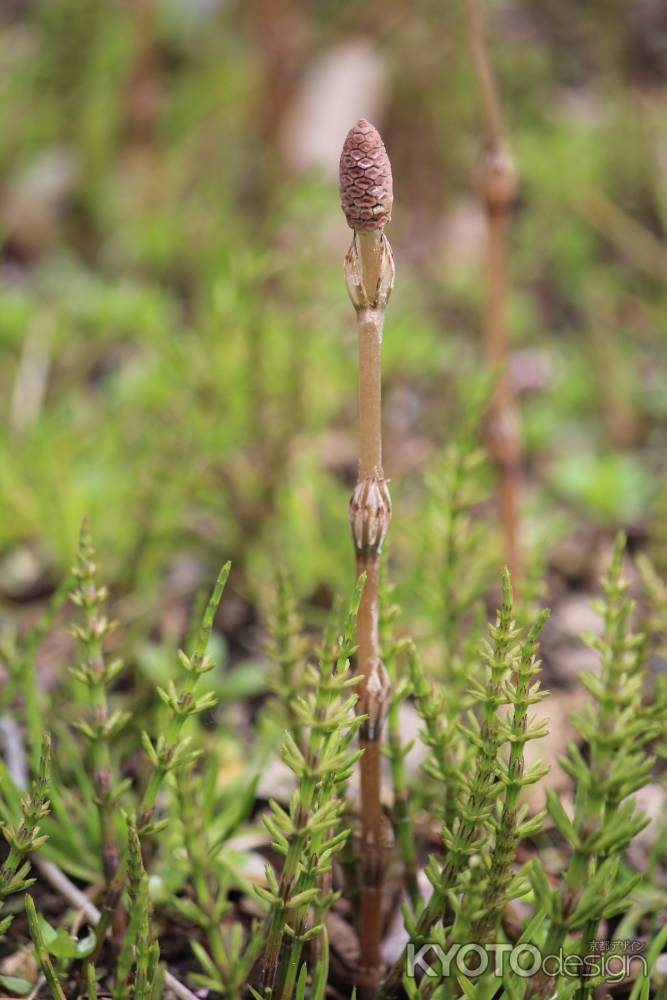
(366, 187)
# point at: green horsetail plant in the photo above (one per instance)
(656, 594)
(498, 192)
(658, 530)
(487, 883)
(97, 675)
(41, 952)
(171, 750)
(101, 726)
(286, 649)
(25, 837)
(137, 971)
(656, 625)
(18, 657)
(511, 824)
(616, 727)
(641, 987)
(472, 809)
(329, 652)
(444, 764)
(473, 826)
(309, 834)
(367, 197)
(396, 750)
(485, 889)
(229, 954)
(454, 558)
(334, 662)
(91, 982)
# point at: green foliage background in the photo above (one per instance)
(178, 360)
(180, 294)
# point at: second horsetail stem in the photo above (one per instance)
(497, 189)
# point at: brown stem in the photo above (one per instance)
(497, 344)
(485, 77)
(144, 86)
(498, 191)
(502, 427)
(374, 694)
(369, 323)
(369, 270)
(373, 868)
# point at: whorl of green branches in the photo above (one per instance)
(25, 836)
(286, 649)
(306, 834)
(480, 840)
(617, 727)
(171, 750)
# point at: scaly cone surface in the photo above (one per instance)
(366, 187)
